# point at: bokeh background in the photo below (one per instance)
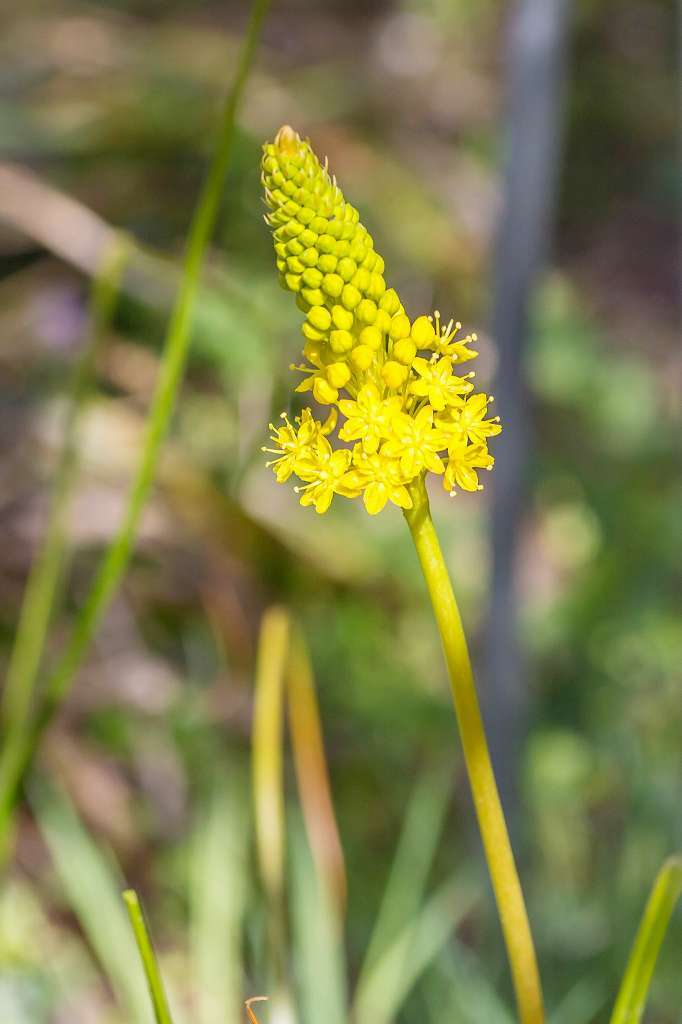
(518, 166)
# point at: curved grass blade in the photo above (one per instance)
(218, 887)
(92, 884)
(312, 775)
(268, 783)
(319, 951)
(157, 992)
(388, 983)
(406, 884)
(635, 986)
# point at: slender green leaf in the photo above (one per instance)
(318, 941)
(218, 890)
(388, 983)
(635, 986)
(417, 845)
(93, 886)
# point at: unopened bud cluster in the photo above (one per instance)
(390, 379)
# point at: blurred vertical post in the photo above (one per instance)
(536, 52)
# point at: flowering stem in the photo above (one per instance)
(498, 851)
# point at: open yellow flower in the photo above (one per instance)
(415, 442)
(379, 479)
(462, 465)
(324, 471)
(294, 444)
(437, 382)
(369, 417)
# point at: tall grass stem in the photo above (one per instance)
(496, 843)
(157, 993)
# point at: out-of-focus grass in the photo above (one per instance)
(92, 883)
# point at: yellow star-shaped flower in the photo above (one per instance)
(324, 470)
(379, 479)
(462, 465)
(368, 417)
(438, 383)
(415, 442)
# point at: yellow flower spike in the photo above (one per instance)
(387, 378)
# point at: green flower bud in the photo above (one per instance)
(423, 332)
(390, 301)
(400, 327)
(312, 278)
(350, 296)
(340, 342)
(371, 337)
(320, 317)
(312, 333)
(343, 318)
(332, 285)
(347, 268)
(313, 296)
(327, 263)
(366, 311)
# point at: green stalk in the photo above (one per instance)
(157, 992)
(635, 986)
(496, 843)
(173, 362)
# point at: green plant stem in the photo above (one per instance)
(635, 986)
(498, 851)
(151, 968)
(173, 362)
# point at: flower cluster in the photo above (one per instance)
(397, 402)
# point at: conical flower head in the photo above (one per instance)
(363, 354)
(324, 254)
